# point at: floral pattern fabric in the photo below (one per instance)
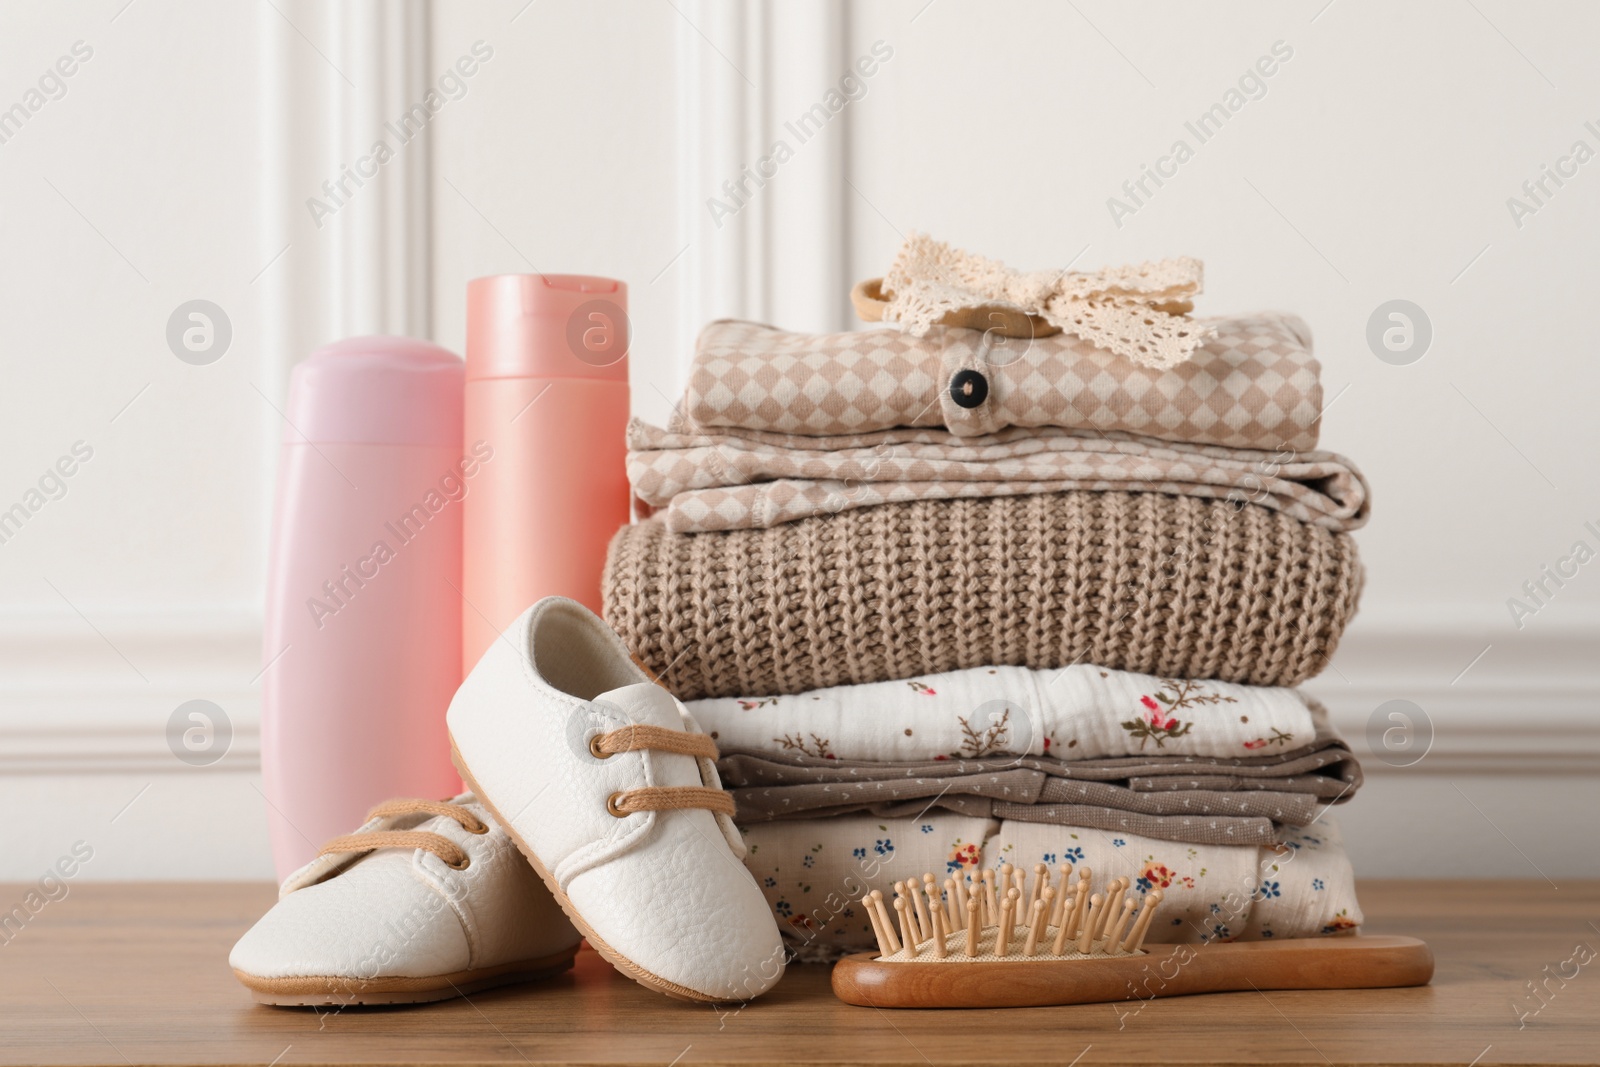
(1080, 712)
(814, 873)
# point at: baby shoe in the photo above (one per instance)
(428, 900)
(607, 786)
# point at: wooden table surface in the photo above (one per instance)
(137, 974)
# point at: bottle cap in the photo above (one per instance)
(547, 326)
(377, 390)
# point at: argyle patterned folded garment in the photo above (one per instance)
(743, 479)
(1254, 385)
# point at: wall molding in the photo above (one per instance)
(60, 752)
(808, 283)
(71, 704)
(93, 698)
(1498, 702)
(332, 77)
(743, 71)
(383, 259)
(719, 93)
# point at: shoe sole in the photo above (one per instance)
(596, 942)
(313, 991)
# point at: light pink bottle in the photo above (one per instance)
(363, 620)
(547, 389)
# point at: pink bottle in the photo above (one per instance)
(363, 621)
(547, 391)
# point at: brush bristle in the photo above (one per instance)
(977, 918)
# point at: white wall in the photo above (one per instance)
(1377, 165)
(140, 588)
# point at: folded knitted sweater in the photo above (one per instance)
(1254, 384)
(1170, 586)
(738, 479)
(813, 872)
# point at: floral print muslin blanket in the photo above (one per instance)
(814, 873)
(1080, 712)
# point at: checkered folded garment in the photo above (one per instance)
(1173, 586)
(1254, 385)
(743, 479)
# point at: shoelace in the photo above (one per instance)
(660, 797)
(453, 855)
(621, 804)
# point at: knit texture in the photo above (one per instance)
(1173, 586)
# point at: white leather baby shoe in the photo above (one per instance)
(608, 787)
(428, 900)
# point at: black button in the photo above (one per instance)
(968, 388)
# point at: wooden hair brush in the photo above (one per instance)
(994, 941)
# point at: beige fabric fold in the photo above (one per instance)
(1198, 800)
(743, 479)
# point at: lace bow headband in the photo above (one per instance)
(1138, 311)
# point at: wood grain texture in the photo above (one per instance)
(1370, 962)
(120, 974)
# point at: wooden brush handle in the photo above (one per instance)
(1162, 971)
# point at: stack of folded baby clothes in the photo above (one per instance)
(1021, 581)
